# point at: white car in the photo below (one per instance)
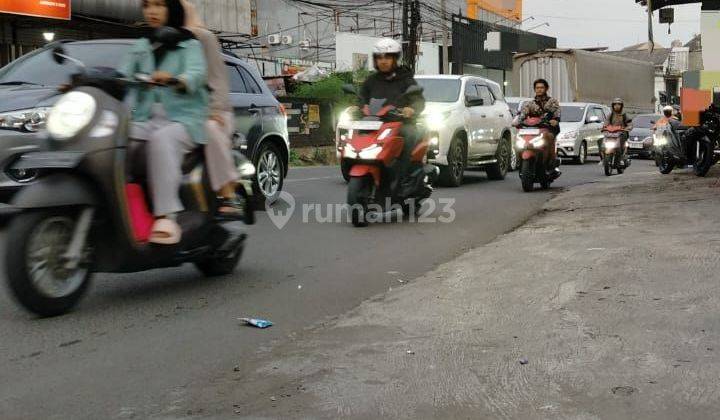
(580, 129)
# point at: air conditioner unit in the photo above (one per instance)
(274, 39)
(287, 40)
(305, 44)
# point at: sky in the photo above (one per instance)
(606, 23)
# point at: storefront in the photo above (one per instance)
(29, 24)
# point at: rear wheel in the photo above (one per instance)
(221, 266)
(358, 196)
(527, 175)
(453, 174)
(705, 159)
(36, 271)
(498, 170)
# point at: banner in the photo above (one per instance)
(53, 9)
(510, 9)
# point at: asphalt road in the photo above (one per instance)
(139, 342)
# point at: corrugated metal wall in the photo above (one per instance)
(554, 69)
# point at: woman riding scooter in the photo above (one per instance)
(220, 126)
(169, 118)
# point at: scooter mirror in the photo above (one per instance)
(414, 89)
(59, 55)
(349, 89)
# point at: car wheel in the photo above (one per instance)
(270, 172)
(453, 174)
(498, 170)
(514, 161)
(582, 154)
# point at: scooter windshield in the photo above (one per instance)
(375, 105)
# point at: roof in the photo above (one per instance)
(642, 46)
(657, 57)
(695, 44)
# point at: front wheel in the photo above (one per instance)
(453, 174)
(665, 165)
(499, 169)
(358, 197)
(607, 165)
(705, 160)
(270, 173)
(36, 270)
(345, 170)
(527, 175)
(582, 154)
(221, 266)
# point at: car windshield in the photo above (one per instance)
(40, 69)
(572, 113)
(645, 121)
(440, 90)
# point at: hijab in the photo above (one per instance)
(176, 20)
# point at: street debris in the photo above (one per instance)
(410, 352)
(401, 281)
(299, 286)
(273, 399)
(623, 390)
(524, 361)
(596, 249)
(236, 369)
(259, 323)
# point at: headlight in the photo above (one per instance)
(72, 113)
(538, 141)
(370, 153)
(520, 143)
(31, 120)
(246, 170)
(345, 117)
(570, 135)
(610, 144)
(436, 121)
(434, 140)
(659, 140)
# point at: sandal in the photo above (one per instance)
(165, 232)
(231, 208)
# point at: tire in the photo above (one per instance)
(706, 161)
(270, 177)
(582, 154)
(527, 176)
(607, 165)
(453, 174)
(25, 231)
(665, 166)
(221, 266)
(498, 170)
(514, 161)
(358, 193)
(345, 170)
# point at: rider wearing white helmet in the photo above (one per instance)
(389, 83)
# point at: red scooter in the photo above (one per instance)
(372, 148)
(533, 154)
(613, 153)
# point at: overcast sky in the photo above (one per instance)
(608, 23)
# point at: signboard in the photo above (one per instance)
(53, 9)
(510, 9)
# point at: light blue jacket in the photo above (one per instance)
(187, 63)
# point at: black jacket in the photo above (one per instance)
(380, 86)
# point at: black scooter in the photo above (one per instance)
(696, 146)
(78, 218)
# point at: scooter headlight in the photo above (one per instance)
(538, 141)
(70, 115)
(370, 153)
(659, 140)
(609, 145)
(520, 143)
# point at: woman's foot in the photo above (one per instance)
(166, 232)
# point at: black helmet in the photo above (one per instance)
(618, 101)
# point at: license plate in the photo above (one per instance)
(529, 132)
(636, 144)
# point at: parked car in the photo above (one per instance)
(580, 130)
(29, 88)
(640, 142)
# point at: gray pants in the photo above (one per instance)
(167, 143)
(220, 162)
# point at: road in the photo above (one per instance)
(138, 343)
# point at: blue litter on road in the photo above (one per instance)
(260, 323)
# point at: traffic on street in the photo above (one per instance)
(393, 209)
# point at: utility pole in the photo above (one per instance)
(446, 50)
(317, 38)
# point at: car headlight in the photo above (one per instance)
(31, 120)
(436, 121)
(70, 115)
(246, 170)
(569, 135)
(371, 152)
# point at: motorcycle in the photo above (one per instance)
(614, 155)
(697, 146)
(532, 153)
(88, 211)
(371, 151)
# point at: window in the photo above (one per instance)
(440, 90)
(598, 112)
(497, 92)
(470, 89)
(237, 84)
(485, 94)
(250, 82)
(572, 113)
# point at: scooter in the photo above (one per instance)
(531, 148)
(697, 146)
(88, 211)
(373, 146)
(614, 154)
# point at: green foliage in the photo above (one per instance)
(330, 88)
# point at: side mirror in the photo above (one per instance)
(59, 55)
(594, 120)
(167, 35)
(472, 100)
(414, 89)
(349, 89)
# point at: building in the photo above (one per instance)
(31, 23)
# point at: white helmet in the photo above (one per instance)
(387, 46)
(669, 108)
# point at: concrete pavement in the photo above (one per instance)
(602, 307)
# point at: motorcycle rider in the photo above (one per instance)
(617, 118)
(543, 105)
(390, 82)
(668, 118)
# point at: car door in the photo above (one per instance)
(474, 116)
(594, 130)
(491, 121)
(248, 117)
